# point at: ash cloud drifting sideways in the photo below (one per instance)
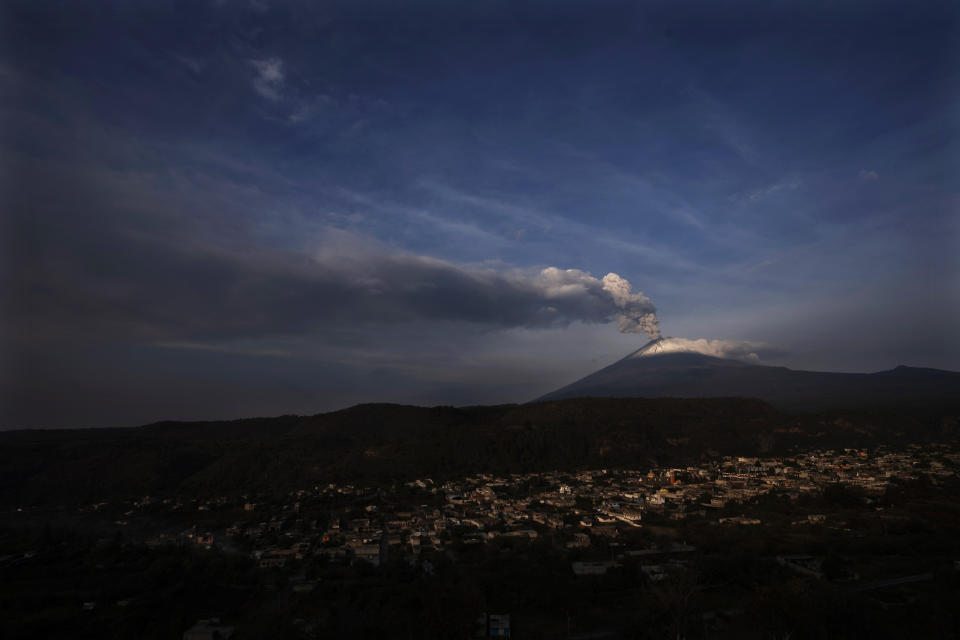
(224, 295)
(150, 262)
(384, 289)
(398, 287)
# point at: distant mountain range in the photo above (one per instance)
(660, 369)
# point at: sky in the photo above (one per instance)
(250, 207)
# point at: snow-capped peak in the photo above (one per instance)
(717, 348)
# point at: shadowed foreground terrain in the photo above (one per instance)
(383, 442)
(580, 518)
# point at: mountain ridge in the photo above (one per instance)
(688, 374)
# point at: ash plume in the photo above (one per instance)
(572, 294)
(637, 315)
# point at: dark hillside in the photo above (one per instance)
(383, 442)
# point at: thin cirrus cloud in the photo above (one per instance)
(269, 78)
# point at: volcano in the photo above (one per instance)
(671, 367)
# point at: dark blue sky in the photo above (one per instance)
(219, 209)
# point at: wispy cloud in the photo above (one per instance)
(421, 215)
(727, 126)
(533, 219)
(269, 78)
(866, 175)
(501, 207)
(769, 190)
(661, 199)
(653, 254)
(759, 266)
(195, 65)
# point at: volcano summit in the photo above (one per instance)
(683, 368)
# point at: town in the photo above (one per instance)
(865, 523)
(348, 522)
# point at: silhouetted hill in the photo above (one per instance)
(691, 375)
(383, 442)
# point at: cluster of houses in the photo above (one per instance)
(575, 508)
